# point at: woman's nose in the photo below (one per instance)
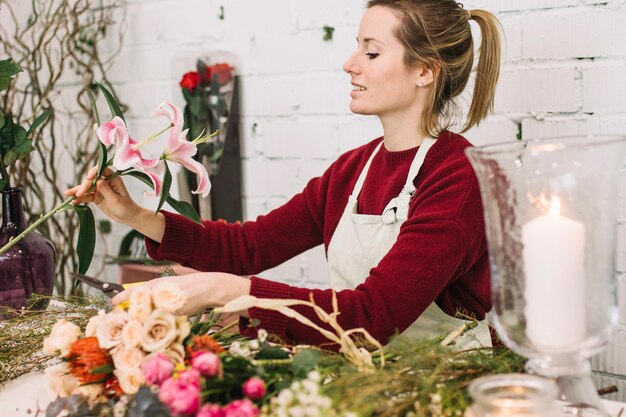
(350, 65)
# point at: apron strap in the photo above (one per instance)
(359, 182)
(404, 198)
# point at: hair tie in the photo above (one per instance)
(469, 15)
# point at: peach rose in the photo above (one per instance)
(63, 334)
(139, 312)
(93, 393)
(130, 380)
(109, 332)
(184, 328)
(141, 295)
(126, 358)
(168, 296)
(93, 323)
(132, 333)
(160, 331)
(60, 382)
(176, 353)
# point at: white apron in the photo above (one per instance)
(362, 240)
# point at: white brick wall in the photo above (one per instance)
(564, 74)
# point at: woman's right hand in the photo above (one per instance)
(111, 196)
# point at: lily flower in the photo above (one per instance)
(180, 150)
(110, 132)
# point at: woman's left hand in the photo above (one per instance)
(201, 290)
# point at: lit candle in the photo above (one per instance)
(554, 263)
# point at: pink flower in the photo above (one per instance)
(189, 377)
(157, 369)
(180, 397)
(207, 363)
(112, 132)
(254, 388)
(210, 410)
(241, 408)
(180, 150)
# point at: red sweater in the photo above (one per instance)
(440, 253)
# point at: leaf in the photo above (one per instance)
(305, 361)
(39, 120)
(127, 241)
(181, 207)
(86, 238)
(167, 184)
(3, 184)
(105, 227)
(1, 119)
(102, 159)
(272, 352)
(8, 69)
(94, 106)
(113, 105)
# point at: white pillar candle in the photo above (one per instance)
(554, 264)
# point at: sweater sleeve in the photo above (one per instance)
(247, 248)
(441, 241)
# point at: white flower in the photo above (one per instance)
(127, 357)
(60, 382)
(160, 331)
(93, 324)
(262, 335)
(184, 328)
(139, 312)
(132, 333)
(63, 334)
(130, 380)
(91, 392)
(176, 353)
(168, 296)
(109, 332)
(141, 295)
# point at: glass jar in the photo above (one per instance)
(513, 395)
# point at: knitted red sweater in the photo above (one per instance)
(440, 253)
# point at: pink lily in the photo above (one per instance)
(127, 152)
(180, 150)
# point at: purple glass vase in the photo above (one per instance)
(28, 266)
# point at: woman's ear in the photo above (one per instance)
(425, 74)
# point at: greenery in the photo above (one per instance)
(59, 50)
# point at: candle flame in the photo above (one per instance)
(555, 207)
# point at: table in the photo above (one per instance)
(22, 397)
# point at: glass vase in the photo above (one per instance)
(28, 267)
(551, 218)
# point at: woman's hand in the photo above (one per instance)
(110, 196)
(201, 290)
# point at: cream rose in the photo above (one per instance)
(139, 312)
(159, 331)
(93, 323)
(126, 358)
(130, 380)
(141, 295)
(168, 296)
(132, 333)
(109, 332)
(60, 382)
(176, 353)
(184, 328)
(63, 334)
(92, 392)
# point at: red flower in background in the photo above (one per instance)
(224, 73)
(190, 81)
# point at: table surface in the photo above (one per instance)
(24, 396)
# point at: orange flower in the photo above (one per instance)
(203, 343)
(85, 357)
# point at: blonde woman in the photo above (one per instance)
(400, 217)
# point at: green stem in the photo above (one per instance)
(33, 226)
(4, 173)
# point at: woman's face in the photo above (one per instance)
(383, 85)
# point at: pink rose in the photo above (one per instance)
(210, 410)
(207, 363)
(241, 408)
(254, 388)
(190, 377)
(157, 369)
(180, 397)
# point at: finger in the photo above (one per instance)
(103, 187)
(71, 191)
(91, 174)
(123, 296)
(84, 188)
(85, 199)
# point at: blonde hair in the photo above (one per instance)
(436, 33)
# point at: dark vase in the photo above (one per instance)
(27, 267)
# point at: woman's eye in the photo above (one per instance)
(372, 55)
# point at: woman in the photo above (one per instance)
(400, 217)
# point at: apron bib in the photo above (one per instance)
(362, 240)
